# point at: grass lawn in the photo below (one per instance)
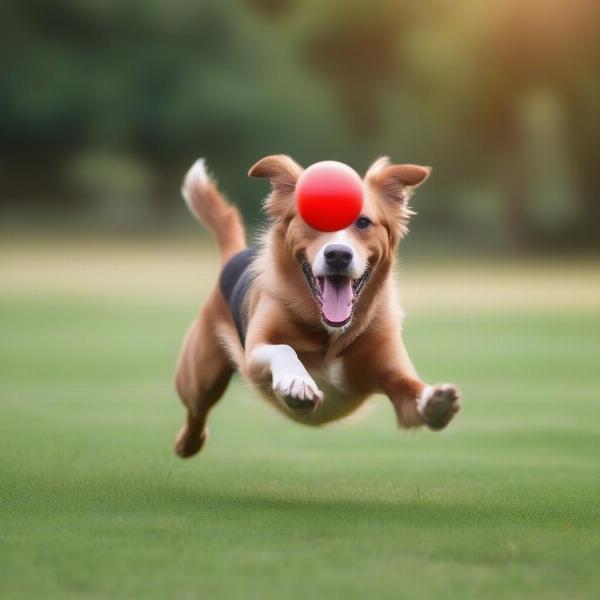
(504, 504)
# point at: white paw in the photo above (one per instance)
(438, 404)
(290, 380)
(297, 389)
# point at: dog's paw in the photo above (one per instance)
(298, 390)
(187, 444)
(438, 405)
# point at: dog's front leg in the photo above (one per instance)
(417, 403)
(276, 365)
(279, 365)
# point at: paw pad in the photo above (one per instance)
(438, 405)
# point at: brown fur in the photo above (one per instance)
(367, 356)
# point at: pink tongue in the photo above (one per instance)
(337, 298)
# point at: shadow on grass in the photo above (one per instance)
(202, 500)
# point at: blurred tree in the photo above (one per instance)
(160, 82)
(354, 46)
(271, 8)
(525, 46)
(133, 90)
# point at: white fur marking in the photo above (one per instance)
(290, 378)
(358, 264)
(336, 375)
(196, 176)
(424, 399)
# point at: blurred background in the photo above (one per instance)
(104, 104)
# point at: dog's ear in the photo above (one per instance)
(396, 182)
(283, 173)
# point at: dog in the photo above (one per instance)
(310, 319)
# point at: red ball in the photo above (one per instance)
(329, 195)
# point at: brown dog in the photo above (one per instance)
(309, 318)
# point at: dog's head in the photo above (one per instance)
(344, 269)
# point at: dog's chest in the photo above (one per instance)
(333, 383)
(340, 400)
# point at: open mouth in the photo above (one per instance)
(335, 294)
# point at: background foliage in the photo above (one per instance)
(104, 104)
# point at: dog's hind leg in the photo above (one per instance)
(203, 373)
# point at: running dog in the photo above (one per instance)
(309, 319)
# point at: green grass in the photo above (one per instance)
(504, 504)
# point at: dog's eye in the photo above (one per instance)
(363, 222)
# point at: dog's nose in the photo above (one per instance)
(338, 256)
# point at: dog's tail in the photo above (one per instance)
(210, 207)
